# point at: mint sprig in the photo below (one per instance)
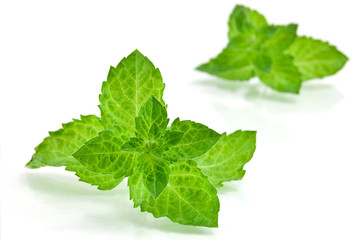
(172, 169)
(274, 53)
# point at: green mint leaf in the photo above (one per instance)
(104, 154)
(197, 139)
(189, 198)
(155, 132)
(171, 138)
(103, 181)
(316, 59)
(278, 72)
(152, 120)
(243, 22)
(128, 87)
(56, 150)
(155, 174)
(232, 64)
(257, 48)
(272, 39)
(225, 161)
(135, 144)
(278, 38)
(262, 62)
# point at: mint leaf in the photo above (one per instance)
(278, 38)
(155, 174)
(243, 22)
(135, 144)
(197, 139)
(171, 138)
(133, 139)
(278, 72)
(127, 88)
(225, 160)
(269, 39)
(104, 154)
(188, 198)
(152, 120)
(57, 149)
(230, 64)
(256, 48)
(316, 59)
(103, 181)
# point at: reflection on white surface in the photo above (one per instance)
(252, 105)
(109, 209)
(315, 96)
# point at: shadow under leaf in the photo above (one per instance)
(315, 96)
(111, 208)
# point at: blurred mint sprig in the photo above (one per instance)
(274, 53)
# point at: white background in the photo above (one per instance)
(304, 181)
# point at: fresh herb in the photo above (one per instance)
(281, 59)
(172, 169)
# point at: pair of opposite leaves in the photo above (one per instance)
(172, 170)
(274, 53)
